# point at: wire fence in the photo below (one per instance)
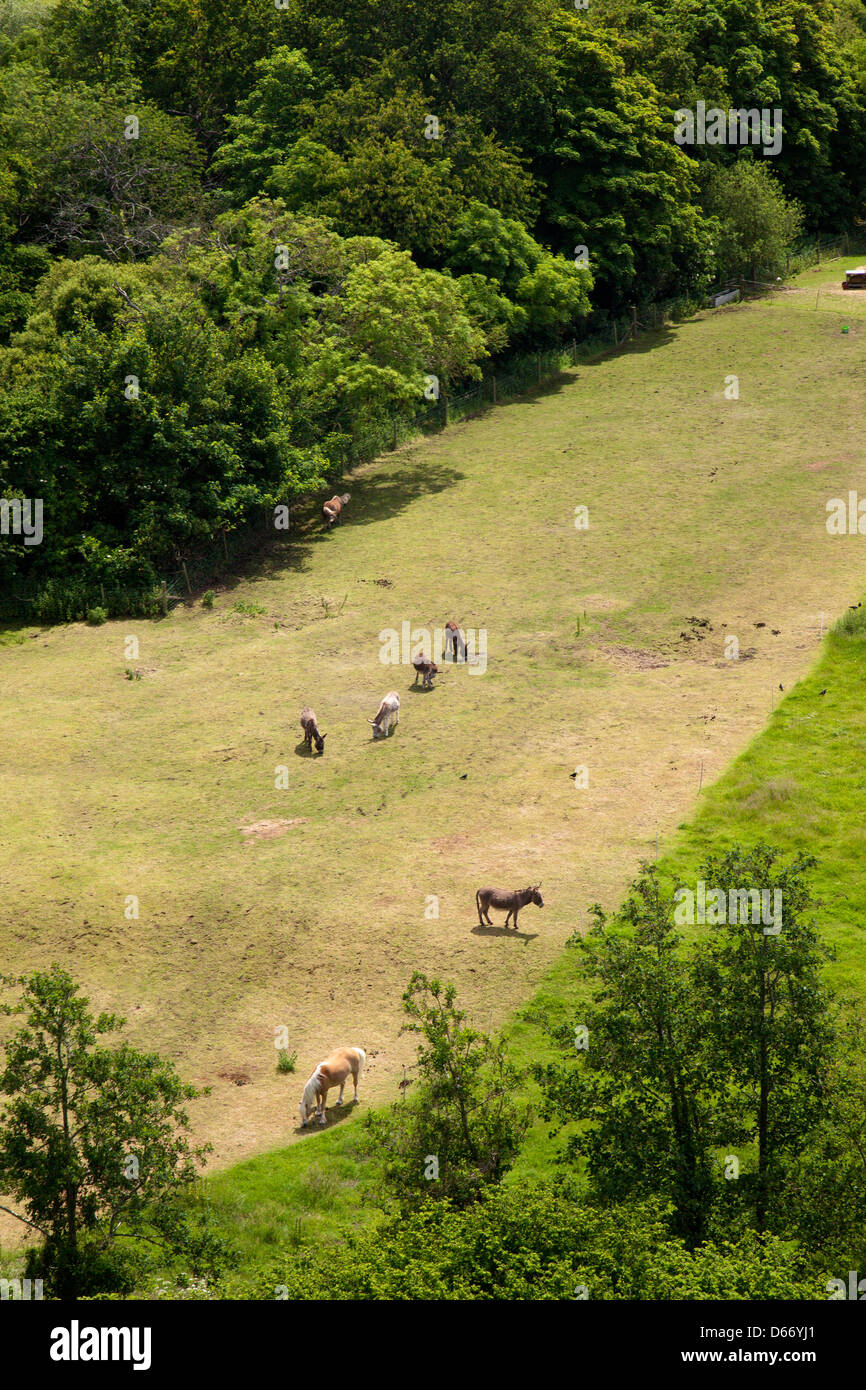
(54, 601)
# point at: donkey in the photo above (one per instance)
(427, 669)
(334, 1071)
(331, 510)
(311, 730)
(455, 645)
(387, 715)
(486, 898)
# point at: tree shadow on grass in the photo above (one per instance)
(381, 494)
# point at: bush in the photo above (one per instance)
(96, 617)
(286, 1061)
(207, 599)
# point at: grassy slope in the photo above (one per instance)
(800, 784)
(698, 506)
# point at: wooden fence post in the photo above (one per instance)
(615, 338)
(634, 320)
(164, 599)
(494, 390)
(186, 577)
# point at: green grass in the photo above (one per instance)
(706, 520)
(800, 784)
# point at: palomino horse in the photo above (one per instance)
(334, 1071)
(511, 903)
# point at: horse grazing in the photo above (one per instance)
(311, 730)
(387, 715)
(486, 898)
(334, 1071)
(455, 645)
(331, 510)
(427, 669)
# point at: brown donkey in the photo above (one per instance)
(311, 730)
(511, 903)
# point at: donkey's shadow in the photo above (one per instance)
(305, 750)
(333, 1115)
(524, 936)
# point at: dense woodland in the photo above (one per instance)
(233, 236)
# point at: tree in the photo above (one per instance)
(824, 1198)
(115, 177)
(462, 1128)
(146, 428)
(688, 1051)
(766, 1010)
(92, 1142)
(757, 223)
(539, 1241)
(617, 183)
(635, 1076)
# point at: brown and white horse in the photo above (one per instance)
(331, 510)
(334, 1071)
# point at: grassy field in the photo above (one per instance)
(800, 784)
(606, 648)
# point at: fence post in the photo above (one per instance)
(818, 252)
(634, 320)
(186, 576)
(494, 390)
(164, 599)
(539, 369)
(615, 338)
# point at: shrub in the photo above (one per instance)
(96, 617)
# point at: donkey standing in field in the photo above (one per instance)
(331, 510)
(486, 898)
(334, 1071)
(311, 730)
(387, 714)
(455, 645)
(427, 669)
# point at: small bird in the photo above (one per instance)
(463, 776)
(781, 687)
(823, 692)
(852, 606)
(775, 631)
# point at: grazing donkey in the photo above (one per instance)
(334, 1071)
(387, 715)
(331, 510)
(427, 669)
(311, 730)
(486, 898)
(455, 645)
